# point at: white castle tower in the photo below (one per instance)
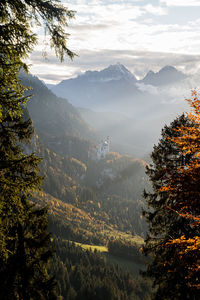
(103, 148)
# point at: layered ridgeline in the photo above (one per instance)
(132, 111)
(74, 172)
(112, 87)
(92, 199)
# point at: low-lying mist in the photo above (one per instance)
(131, 112)
(134, 129)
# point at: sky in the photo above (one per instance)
(142, 35)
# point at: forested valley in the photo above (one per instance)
(90, 202)
(81, 218)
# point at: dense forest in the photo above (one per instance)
(86, 275)
(89, 206)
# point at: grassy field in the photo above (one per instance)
(92, 247)
(126, 264)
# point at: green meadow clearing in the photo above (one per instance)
(125, 263)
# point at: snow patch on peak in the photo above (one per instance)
(113, 72)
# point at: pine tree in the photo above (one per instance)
(24, 240)
(184, 185)
(167, 268)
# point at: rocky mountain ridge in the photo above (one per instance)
(115, 88)
(120, 72)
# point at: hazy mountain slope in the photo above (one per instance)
(53, 116)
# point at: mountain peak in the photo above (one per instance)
(113, 72)
(168, 69)
(118, 67)
(165, 76)
(148, 75)
(116, 72)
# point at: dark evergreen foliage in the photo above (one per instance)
(86, 275)
(24, 240)
(164, 223)
(17, 18)
(126, 249)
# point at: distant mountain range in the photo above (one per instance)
(108, 88)
(98, 89)
(132, 112)
(112, 73)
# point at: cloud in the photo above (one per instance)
(127, 25)
(98, 12)
(153, 90)
(139, 62)
(181, 2)
(139, 34)
(90, 27)
(155, 10)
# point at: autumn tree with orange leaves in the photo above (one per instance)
(173, 241)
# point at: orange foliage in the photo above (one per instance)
(185, 184)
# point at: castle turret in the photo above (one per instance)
(103, 148)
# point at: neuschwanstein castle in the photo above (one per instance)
(101, 150)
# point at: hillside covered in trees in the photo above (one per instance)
(89, 201)
(108, 190)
